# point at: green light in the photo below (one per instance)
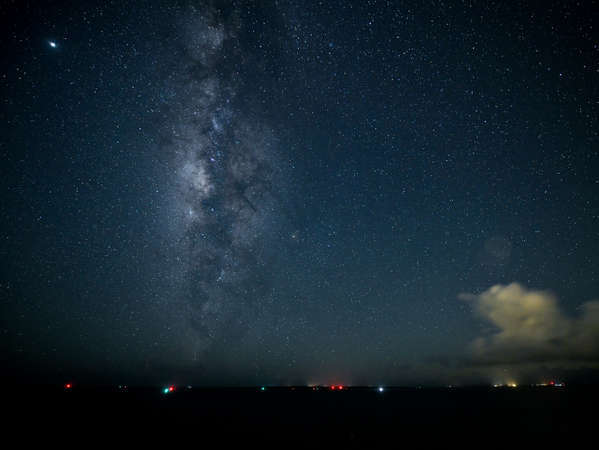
(165, 390)
(262, 388)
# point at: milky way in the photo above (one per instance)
(225, 177)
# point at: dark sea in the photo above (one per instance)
(300, 416)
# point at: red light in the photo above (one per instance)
(171, 388)
(333, 388)
(340, 387)
(552, 383)
(68, 385)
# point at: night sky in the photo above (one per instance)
(277, 192)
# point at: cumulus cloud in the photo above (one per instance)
(529, 326)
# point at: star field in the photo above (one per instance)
(300, 192)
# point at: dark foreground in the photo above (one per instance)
(360, 416)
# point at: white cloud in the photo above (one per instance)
(530, 327)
